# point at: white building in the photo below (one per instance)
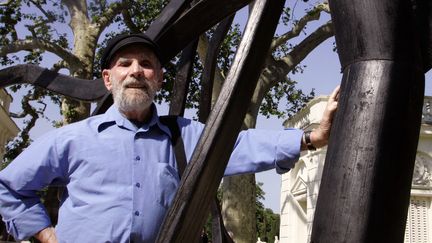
(8, 128)
(300, 186)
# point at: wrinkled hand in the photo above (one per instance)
(319, 137)
(47, 235)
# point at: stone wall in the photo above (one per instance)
(8, 129)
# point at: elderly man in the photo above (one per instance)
(119, 168)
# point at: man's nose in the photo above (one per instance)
(136, 69)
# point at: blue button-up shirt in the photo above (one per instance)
(120, 179)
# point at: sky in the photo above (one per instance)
(322, 73)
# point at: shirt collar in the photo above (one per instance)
(113, 116)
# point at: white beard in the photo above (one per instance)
(133, 95)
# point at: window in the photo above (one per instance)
(418, 220)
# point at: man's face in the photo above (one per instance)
(134, 78)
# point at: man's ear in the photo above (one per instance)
(106, 79)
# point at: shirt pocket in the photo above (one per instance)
(166, 185)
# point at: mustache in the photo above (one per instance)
(136, 83)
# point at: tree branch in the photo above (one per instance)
(6, 3)
(14, 34)
(22, 45)
(76, 7)
(102, 4)
(109, 14)
(301, 50)
(277, 70)
(23, 140)
(128, 21)
(203, 45)
(312, 15)
(59, 65)
(49, 17)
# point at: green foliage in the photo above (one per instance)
(228, 48)
(42, 23)
(9, 17)
(285, 90)
(144, 12)
(33, 105)
(267, 222)
(33, 25)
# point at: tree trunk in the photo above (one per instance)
(238, 207)
(85, 39)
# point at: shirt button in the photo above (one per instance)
(137, 213)
(138, 185)
(137, 158)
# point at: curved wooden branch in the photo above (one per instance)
(169, 14)
(182, 80)
(181, 32)
(202, 176)
(210, 67)
(423, 17)
(81, 89)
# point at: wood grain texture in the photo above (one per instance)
(365, 186)
(186, 216)
(193, 22)
(182, 80)
(210, 67)
(76, 88)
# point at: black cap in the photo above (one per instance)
(123, 40)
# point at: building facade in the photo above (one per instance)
(300, 186)
(8, 128)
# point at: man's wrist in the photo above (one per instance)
(307, 140)
(46, 235)
(318, 139)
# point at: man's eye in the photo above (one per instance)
(124, 64)
(146, 64)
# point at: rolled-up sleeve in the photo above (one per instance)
(258, 150)
(34, 169)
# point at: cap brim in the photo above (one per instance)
(127, 40)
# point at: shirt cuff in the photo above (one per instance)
(288, 149)
(28, 223)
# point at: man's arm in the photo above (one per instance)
(34, 169)
(258, 150)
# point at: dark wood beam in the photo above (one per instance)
(365, 188)
(76, 88)
(182, 80)
(219, 233)
(210, 67)
(186, 216)
(169, 14)
(423, 12)
(195, 21)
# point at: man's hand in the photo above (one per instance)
(47, 235)
(319, 137)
